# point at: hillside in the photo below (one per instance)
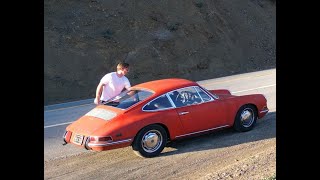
(193, 39)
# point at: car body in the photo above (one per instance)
(152, 113)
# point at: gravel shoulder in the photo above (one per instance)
(224, 154)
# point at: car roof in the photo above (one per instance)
(164, 85)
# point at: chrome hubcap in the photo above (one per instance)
(151, 141)
(247, 117)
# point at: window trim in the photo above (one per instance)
(212, 98)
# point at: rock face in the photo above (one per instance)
(192, 39)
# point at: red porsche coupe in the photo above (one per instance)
(150, 114)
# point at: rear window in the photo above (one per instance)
(128, 98)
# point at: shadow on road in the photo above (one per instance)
(265, 128)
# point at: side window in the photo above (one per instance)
(185, 96)
(161, 102)
(203, 95)
(175, 97)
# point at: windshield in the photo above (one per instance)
(127, 98)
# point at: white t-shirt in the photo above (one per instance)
(113, 85)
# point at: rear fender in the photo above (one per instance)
(220, 91)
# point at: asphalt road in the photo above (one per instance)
(57, 117)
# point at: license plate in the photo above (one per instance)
(77, 139)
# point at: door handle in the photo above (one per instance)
(183, 113)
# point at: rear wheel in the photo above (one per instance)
(245, 118)
(150, 141)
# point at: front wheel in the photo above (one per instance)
(150, 141)
(245, 118)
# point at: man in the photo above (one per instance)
(112, 84)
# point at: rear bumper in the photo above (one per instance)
(102, 146)
(97, 146)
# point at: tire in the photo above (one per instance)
(246, 118)
(150, 141)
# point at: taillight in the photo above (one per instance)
(93, 138)
(98, 138)
(108, 138)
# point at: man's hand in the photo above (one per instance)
(96, 101)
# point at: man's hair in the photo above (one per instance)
(122, 65)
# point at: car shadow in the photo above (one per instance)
(265, 128)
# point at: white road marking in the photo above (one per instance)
(254, 88)
(68, 107)
(54, 125)
(202, 82)
(58, 124)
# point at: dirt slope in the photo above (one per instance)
(193, 39)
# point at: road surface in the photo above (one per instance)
(224, 154)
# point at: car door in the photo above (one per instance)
(212, 111)
(207, 116)
(203, 113)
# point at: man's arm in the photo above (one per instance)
(98, 93)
